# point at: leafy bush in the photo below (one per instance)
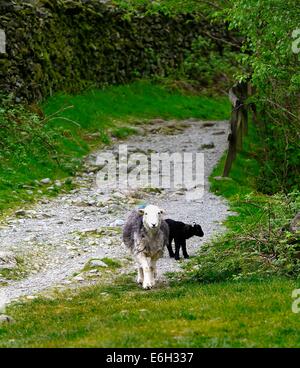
(211, 64)
(273, 69)
(26, 140)
(263, 247)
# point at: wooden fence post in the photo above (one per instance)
(238, 123)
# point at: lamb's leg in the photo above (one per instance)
(140, 277)
(184, 252)
(177, 248)
(145, 264)
(169, 246)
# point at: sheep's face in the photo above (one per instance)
(152, 216)
(193, 230)
(197, 230)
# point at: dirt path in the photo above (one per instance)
(58, 237)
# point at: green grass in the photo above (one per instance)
(229, 314)
(241, 183)
(140, 100)
(244, 172)
(33, 148)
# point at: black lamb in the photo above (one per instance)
(179, 231)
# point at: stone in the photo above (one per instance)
(117, 222)
(118, 195)
(7, 260)
(20, 213)
(45, 181)
(157, 121)
(93, 272)
(219, 178)
(94, 168)
(221, 132)
(208, 125)
(58, 184)
(5, 319)
(97, 263)
(31, 297)
(79, 278)
(91, 202)
(208, 145)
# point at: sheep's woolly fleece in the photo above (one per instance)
(56, 238)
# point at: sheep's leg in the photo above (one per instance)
(140, 277)
(169, 246)
(153, 272)
(148, 278)
(184, 252)
(145, 265)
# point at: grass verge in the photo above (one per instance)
(227, 314)
(50, 142)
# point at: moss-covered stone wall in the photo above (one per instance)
(60, 45)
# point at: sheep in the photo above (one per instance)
(179, 231)
(146, 234)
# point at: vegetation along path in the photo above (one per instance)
(75, 238)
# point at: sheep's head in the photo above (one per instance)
(197, 230)
(193, 230)
(152, 216)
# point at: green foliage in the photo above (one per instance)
(229, 314)
(258, 242)
(113, 263)
(201, 8)
(31, 151)
(210, 64)
(273, 69)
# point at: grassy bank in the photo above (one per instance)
(228, 314)
(50, 141)
(258, 242)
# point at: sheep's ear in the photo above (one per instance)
(141, 211)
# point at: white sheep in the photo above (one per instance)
(146, 235)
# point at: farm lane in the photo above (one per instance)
(57, 238)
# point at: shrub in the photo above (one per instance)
(256, 248)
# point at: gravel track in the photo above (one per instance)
(59, 236)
